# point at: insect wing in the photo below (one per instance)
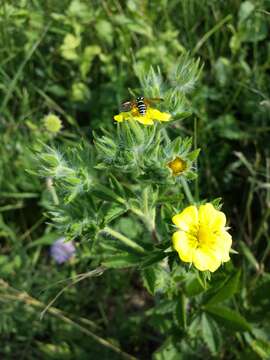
(127, 105)
(150, 101)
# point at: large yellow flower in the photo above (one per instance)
(147, 119)
(202, 238)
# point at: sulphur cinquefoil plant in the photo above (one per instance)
(127, 195)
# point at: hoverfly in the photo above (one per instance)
(141, 103)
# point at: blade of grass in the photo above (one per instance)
(210, 33)
(27, 299)
(19, 72)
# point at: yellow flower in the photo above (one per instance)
(52, 123)
(201, 237)
(147, 119)
(177, 166)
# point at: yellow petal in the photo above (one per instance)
(125, 115)
(210, 217)
(218, 244)
(145, 120)
(187, 219)
(224, 243)
(205, 260)
(157, 115)
(118, 117)
(183, 245)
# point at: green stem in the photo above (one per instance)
(19, 205)
(52, 191)
(149, 223)
(14, 195)
(187, 190)
(261, 227)
(125, 240)
(196, 161)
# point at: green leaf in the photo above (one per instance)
(223, 71)
(254, 29)
(245, 11)
(112, 212)
(227, 291)
(104, 193)
(105, 31)
(229, 318)
(117, 186)
(211, 334)
(121, 261)
(261, 347)
(69, 47)
(129, 227)
(194, 154)
(179, 116)
(153, 258)
(161, 308)
(9, 266)
(47, 239)
(155, 279)
(167, 351)
(181, 311)
(50, 350)
(227, 127)
(249, 256)
(87, 58)
(194, 326)
(193, 286)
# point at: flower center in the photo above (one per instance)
(200, 236)
(206, 237)
(177, 166)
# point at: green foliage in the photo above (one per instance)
(144, 153)
(109, 188)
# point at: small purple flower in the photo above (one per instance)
(62, 250)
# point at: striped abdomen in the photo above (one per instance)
(141, 105)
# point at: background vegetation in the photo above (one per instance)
(78, 59)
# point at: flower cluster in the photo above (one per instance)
(201, 238)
